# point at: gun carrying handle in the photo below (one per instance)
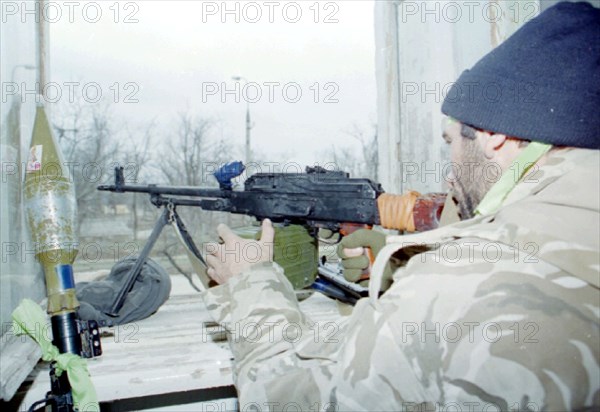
(349, 228)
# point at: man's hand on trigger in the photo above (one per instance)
(235, 255)
(352, 251)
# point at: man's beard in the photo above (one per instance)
(466, 199)
(476, 178)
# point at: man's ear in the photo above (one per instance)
(491, 143)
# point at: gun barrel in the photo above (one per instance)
(190, 191)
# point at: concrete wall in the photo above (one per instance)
(423, 46)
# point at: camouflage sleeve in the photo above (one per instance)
(467, 326)
(283, 362)
(266, 331)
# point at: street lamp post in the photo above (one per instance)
(248, 155)
(20, 66)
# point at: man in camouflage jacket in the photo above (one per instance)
(497, 312)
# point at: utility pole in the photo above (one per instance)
(248, 152)
(248, 127)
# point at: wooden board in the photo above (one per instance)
(171, 359)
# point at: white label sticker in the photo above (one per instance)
(34, 163)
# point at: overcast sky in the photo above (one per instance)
(173, 55)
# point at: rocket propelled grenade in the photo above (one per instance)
(51, 214)
(50, 210)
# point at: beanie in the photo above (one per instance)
(541, 84)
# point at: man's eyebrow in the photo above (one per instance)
(446, 137)
(468, 131)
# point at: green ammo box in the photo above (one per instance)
(295, 250)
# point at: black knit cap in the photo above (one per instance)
(541, 84)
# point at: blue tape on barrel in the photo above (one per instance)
(64, 273)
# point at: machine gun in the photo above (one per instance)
(319, 198)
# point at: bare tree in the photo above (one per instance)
(219, 153)
(86, 136)
(137, 155)
(345, 158)
(182, 161)
(368, 164)
(365, 163)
